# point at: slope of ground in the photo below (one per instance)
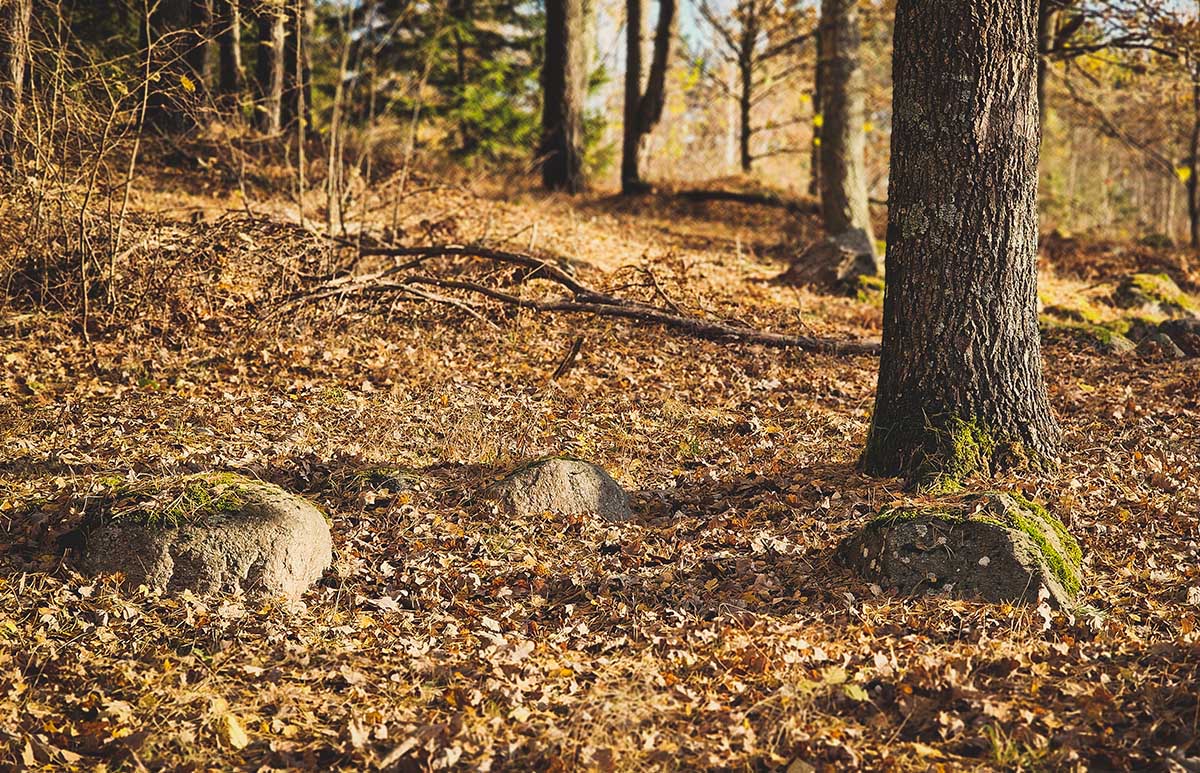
(714, 631)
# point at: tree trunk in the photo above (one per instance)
(744, 103)
(631, 136)
(1045, 42)
(176, 62)
(643, 109)
(269, 65)
(15, 18)
(960, 375)
(227, 19)
(814, 157)
(199, 33)
(564, 87)
(844, 205)
(1193, 184)
(297, 76)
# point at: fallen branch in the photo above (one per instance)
(584, 300)
(750, 197)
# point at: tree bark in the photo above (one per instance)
(643, 109)
(844, 206)
(227, 19)
(178, 59)
(15, 17)
(564, 88)
(1045, 42)
(297, 76)
(269, 65)
(814, 157)
(960, 376)
(1193, 183)
(745, 97)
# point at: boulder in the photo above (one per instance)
(1160, 346)
(208, 533)
(996, 547)
(562, 486)
(1185, 333)
(1156, 294)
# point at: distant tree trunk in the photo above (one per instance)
(197, 41)
(269, 65)
(814, 164)
(297, 76)
(960, 376)
(15, 18)
(844, 205)
(178, 59)
(564, 87)
(227, 17)
(643, 109)
(1193, 180)
(745, 102)
(1045, 42)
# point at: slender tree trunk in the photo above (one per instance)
(227, 18)
(844, 205)
(814, 164)
(269, 65)
(198, 37)
(960, 376)
(746, 74)
(297, 77)
(643, 109)
(564, 87)
(1193, 183)
(1045, 41)
(15, 16)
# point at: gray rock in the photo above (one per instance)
(1156, 294)
(560, 486)
(996, 547)
(1160, 346)
(1185, 333)
(211, 534)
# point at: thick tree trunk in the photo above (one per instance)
(227, 19)
(960, 376)
(564, 88)
(643, 109)
(15, 16)
(844, 205)
(269, 65)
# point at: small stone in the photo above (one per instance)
(563, 487)
(985, 561)
(1160, 346)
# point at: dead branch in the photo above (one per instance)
(584, 300)
(749, 197)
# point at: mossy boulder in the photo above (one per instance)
(213, 533)
(1157, 294)
(561, 486)
(1160, 346)
(1106, 338)
(997, 547)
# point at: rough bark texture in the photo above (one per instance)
(960, 377)
(14, 60)
(269, 65)
(227, 19)
(643, 109)
(564, 84)
(844, 206)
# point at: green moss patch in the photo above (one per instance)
(1157, 291)
(172, 501)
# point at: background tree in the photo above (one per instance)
(564, 87)
(227, 22)
(176, 34)
(753, 39)
(269, 66)
(960, 377)
(643, 109)
(15, 17)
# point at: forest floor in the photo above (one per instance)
(715, 631)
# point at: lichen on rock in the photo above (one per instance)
(994, 546)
